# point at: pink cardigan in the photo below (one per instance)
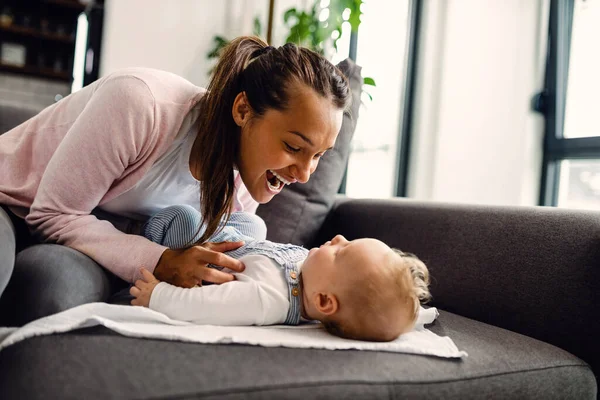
(86, 150)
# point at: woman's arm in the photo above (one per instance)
(115, 131)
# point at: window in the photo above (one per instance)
(384, 48)
(571, 170)
(581, 107)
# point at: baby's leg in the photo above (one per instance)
(175, 227)
(248, 225)
(180, 226)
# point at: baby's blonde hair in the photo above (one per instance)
(403, 280)
(418, 287)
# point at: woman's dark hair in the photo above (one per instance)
(264, 73)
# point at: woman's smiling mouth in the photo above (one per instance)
(281, 178)
(276, 182)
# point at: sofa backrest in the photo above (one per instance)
(11, 116)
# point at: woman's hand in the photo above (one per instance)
(189, 267)
(142, 291)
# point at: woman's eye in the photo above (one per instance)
(319, 155)
(290, 148)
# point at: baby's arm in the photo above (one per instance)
(232, 303)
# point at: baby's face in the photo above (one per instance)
(342, 267)
(336, 260)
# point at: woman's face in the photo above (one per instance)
(284, 147)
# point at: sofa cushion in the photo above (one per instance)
(296, 214)
(95, 363)
(11, 116)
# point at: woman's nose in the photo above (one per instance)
(302, 171)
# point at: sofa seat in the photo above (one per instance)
(97, 363)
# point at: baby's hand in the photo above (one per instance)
(143, 289)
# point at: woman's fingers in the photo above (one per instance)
(134, 291)
(186, 268)
(219, 259)
(216, 276)
(223, 246)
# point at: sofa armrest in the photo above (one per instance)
(533, 270)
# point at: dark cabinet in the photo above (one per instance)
(37, 37)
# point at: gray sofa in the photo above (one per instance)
(518, 289)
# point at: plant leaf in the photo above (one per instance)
(291, 13)
(355, 13)
(257, 27)
(219, 44)
(369, 81)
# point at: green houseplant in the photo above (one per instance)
(310, 29)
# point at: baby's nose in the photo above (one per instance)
(338, 239)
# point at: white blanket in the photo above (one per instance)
(145, 323)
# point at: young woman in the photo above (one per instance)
(139, 140)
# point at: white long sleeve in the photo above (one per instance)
(258, 296)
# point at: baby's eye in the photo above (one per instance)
(290, 148)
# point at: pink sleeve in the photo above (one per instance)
(114, 129)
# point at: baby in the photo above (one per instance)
(360, 289)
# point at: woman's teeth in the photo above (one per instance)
(277, 185)
(280, 178)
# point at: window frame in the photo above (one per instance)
(402, 156)
(551, 102)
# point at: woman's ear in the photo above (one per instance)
(326, 303)
(241, 109)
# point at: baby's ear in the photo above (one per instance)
(326, 303)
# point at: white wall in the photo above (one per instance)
(475, 138)
(172, 35)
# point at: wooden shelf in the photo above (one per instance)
(46, 28)
(67, 3)
(35, 71)
(26, 31)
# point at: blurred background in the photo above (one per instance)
(473, 101)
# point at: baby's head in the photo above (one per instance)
(363, 289)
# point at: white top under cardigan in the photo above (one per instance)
(169, 181)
